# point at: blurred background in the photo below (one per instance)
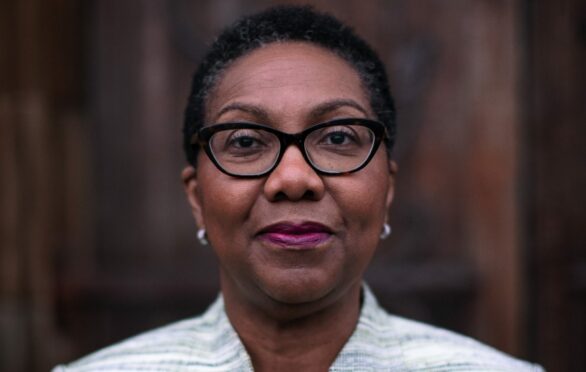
(97, 242)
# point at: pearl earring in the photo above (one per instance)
(386, 231)
(202, 237)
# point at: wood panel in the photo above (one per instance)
(38, 90)
(98, 244)
(555, 132)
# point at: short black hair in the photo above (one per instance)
(282, 24)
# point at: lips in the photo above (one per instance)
(304, 235)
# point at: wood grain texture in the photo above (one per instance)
(97, 242)
(555, 117)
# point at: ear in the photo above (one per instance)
(190, 185)
(393, 169)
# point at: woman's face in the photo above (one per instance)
(292, 236)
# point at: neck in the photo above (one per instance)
(283, 337)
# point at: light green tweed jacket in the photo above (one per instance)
(380, 342)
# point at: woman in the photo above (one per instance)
(292, 190)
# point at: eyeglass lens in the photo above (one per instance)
(249, 151)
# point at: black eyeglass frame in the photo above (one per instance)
(202, 138)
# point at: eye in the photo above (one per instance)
(338, 136)
(243, 141)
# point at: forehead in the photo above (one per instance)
(287, 78)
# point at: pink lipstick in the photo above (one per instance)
(298, 236)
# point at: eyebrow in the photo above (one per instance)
(249, 109)
(316, 112)
(329, 106)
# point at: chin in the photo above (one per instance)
(299, 288)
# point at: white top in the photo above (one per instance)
(380, 342)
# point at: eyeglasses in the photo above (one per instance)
(252, 150)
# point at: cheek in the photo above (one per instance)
(361, 201)
(364, 212)
(226, 201)
(362, 198)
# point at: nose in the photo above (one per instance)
(293, 179)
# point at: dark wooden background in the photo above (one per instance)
(97, 242)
